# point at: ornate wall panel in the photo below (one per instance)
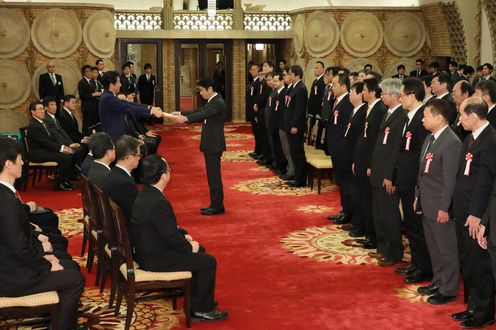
(14, 33)
(490, 8)
(195, 21)
(69, 70)
(357, 64)
(390, 70)
(15, 84)
(12, 120)
(405, 34)
(456, 31)
(434, 19)
(321, 34)
(299, 34)
(56, 33)
(267, 22)
(99, 33)
(138, 21)
(361, 34)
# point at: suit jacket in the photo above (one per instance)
(87, 164)
(158, 242)
(47, 88)
(70, 125)
(56, 129)
(457, 127)
(128, 85)
(89, 103)
(146, 89)
(362, 155)
(326, 105)
(295, 112)
(416, 74)
(316, 95)
(491, 117)
(252, 91)
(409, 160)
(352, 134)
(262, 99)
(213, 115)
(40, 141)
(398, 76)
(113, 111)
(269, 113)
(277, 109)
(435, 189)
(448, 98)
(21, 254)
(97, 174)
(120, 187)
(336, 126)
(387, 147)
(473, 189)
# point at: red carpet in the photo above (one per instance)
(261, 283)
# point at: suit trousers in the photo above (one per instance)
(90, 118)
(298, 155)
(214, 177)
(365, 208)
(203, 266)
(344, 181)
(283, 137)
(415, 232)
(65, 161)
(264, 139)
(358, 219)
(255, 127)
(69, 284)
(442, 244)
(45, 220)
(387, 222)
(280, 160)
(476, 269)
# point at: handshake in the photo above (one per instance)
(175, 117)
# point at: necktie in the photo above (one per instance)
(418, 74)
(56, 123)
(46, 129)
(148, 77)
(54, 80)
(429, 145)
(388, 114)
(18, 196)
(335, 103)
(470, 140)
(368, 111)
(95, 86)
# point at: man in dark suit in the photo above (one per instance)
(453, 71)
(434, 68)
(69, 122)
(213, 142)
(295, 124)
(316, 91)
(276, 112)
(113, 111)
(89, 92)
(486, 90)
(414, 133)
(336, 127)
(24, 267)
(362, 157)
(461, 91)
(103, 151)
(252, 91)
(433, 195)
(128, 81)
(101, 67)
(44, 147)
(326, 106)
(474, 182)
(441, 87)
(51, 84)
(282, 97)
(146, 86)
(401, 72)
(419, 71)
(386, 213)
(119, 184)
(487, 71)
(160, 246)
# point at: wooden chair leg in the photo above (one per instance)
(100, 264)
(104, 276)
(114, 277)
(54, 317)
(85, 241)
(174, 302)
(187, 303)
(91, 255)
(319, 181)
(118, 301)
(35, 173)
(130, 308)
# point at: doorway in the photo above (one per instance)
(196, 59)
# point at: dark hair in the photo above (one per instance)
(321, 63)
(358, 87)
(427, 79)
(110, 77)
(269, 74)
(367, 65)
(126, 145)
(345, 70)
(466, 87)
(434, 65)
(372, 85)
(297, 70)
(206, 82)
(344, 79)
(125, 65)
(94, 68)
(129, 63)
(453, 63)
(269, 63)
(69, 97)
(468, 69)
(147, 66)
(414, 86)
(487, 87)
(152, 168)
(100, 142)
(32, 105)
(353, 74)
(445, 78)
(401, 66)
(376, 75)
(478, 106)
(98, 61)
(440, 107)
(419, 60)
(489, 66)
(48, 99)
(479, 68)
(9, 150)
(85, 67)
(333, 69)
(282, 60)
(279, 75)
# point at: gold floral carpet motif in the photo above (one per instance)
(410, 293)
(276, 186)
(259, 169)
(324, 244)
(314, 209)
(229, 136)
(240, 156)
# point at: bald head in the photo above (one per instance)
(50, 66)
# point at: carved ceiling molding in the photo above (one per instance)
(490, 8)
(456, 31)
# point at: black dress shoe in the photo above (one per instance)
(296, 184)
(348, 227)
(356, 233)
(428, 290)
(204, 208)
(405, 271)
(212, 211)
(362, 241)
(253, 154)
(370, 246)
(474, 323)
(344, 220)
(286, 177)
(262, 162)
(212, 316)
(462, 316)
(63, 187)
(417, 277)
(336, 216)
(440, 299)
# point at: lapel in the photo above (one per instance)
(479, 138)
(386, 122)
(417, 119)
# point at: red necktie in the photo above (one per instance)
(18, 197)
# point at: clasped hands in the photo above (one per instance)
(176, 117)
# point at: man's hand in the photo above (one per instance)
(180, 119)
(96, 94)
(353, 168)
(473, 226)
(43, 239)
(188, 238)
(67, 150)
(151, 134)
(388, 184)
(51, 257)
(294, 130)
(74, 145)
(255, 108)
(36, 227)
(176, 113)
(480, 237)
(32, 206)
(415, 206)
(442, 216)
(369, 172)
(157, 112)
(47, 246)
(85, 140)
(56, 266)
(195, 246)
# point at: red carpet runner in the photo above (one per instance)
(280, 263)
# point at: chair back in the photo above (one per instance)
(95, 219)
(124, 251)
(24, 139)
(105, 215)
(89, 202)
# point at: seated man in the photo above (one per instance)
(103, 151)
(69, 122)
(24, 267)
(44, 147)
(160, 246)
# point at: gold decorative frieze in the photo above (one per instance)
(267, 22)
(134, 20)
